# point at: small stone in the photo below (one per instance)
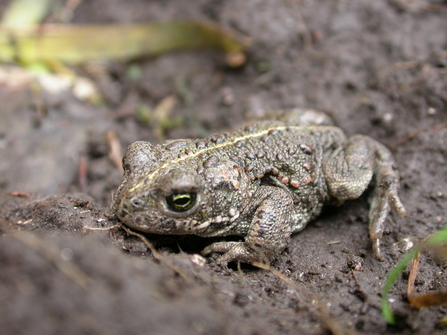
(431, 111)
(198, 260)
(227, 96)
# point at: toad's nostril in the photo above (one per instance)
(137, 203)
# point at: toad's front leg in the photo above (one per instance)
(269, 231)
(348, 172)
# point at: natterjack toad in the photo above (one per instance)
(263, 182)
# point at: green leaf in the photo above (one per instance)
(74, 44)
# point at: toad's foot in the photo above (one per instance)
(236, 252)
(384, 196)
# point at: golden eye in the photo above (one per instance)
(181, 202)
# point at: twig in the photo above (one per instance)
(20, 194)
(413, 273)
(156, 254)
(322, 312)
(417, 132)
(412, 5)
(115, 153)
(103, 229)
(52, 254)
(412, 64)
(301, 25)
(425, 299)
(82, 173)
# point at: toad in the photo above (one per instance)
(263, 182)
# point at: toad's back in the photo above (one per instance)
(271, 152)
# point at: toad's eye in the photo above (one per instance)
(181, 202)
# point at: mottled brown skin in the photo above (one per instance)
(264, 182)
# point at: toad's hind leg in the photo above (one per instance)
(348, 171)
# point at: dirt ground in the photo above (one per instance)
(376, 67)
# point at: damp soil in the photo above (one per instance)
(376, 67)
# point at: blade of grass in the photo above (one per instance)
(438, 238)
(391, 279)
(74, 44)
